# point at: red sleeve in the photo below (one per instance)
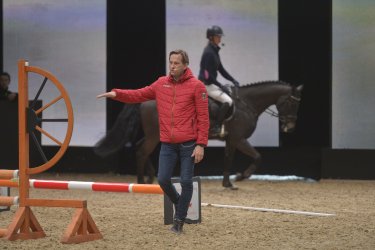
(203, 119)
(135, 95)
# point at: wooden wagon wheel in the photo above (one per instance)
(33, 120)
(25, 225)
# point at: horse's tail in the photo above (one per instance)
(124, 130)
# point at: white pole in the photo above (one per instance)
(267, 209)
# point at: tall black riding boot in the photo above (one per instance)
(216, 130)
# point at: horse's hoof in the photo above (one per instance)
(232, 187)
(239, 177)
(141, 181)
(150, 180)
(248, 172)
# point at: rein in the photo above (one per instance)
(271, 112)
(275, 114)
(290, 99)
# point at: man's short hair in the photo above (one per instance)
(5, 74)
(184, 55)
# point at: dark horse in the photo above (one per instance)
(252, 100)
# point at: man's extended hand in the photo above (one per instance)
(198, 153)
(111, 94)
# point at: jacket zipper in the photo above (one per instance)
(172, 114)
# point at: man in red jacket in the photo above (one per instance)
(184, 123)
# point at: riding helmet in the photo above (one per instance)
(214, 31)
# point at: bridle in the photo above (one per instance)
(292, 100)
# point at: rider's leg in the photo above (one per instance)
(216, 93)
(220, 118)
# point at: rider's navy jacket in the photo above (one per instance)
(210, 65)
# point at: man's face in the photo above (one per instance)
(176, 66)
(4, 82)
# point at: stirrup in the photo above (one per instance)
(222, 131)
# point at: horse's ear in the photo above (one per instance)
(300, 88)
(297, 90)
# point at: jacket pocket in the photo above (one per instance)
(188, 144)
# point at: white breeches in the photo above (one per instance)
(216, 93)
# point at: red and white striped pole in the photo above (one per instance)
(6, 174)
(93, 186)
(8, 201)
(96, 186)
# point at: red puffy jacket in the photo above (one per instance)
(182, 107)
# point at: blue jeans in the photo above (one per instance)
(169, 155)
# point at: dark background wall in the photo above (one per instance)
(305, 57)
(135, 46)
(136, 56)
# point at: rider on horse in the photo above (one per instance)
(209, 65)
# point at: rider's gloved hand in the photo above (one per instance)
(236, 83)
(226, 89)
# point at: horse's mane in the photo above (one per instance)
(273, 82)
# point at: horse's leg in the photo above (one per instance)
(145, 148)
(228, 159)
(150, 170)
(245, 147)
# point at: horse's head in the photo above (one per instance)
(287, 107)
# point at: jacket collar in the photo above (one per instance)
(215, 47)
(185, 76)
